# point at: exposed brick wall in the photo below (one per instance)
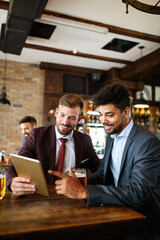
(25, 89)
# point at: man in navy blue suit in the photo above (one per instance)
(129, 174)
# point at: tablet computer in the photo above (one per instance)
(31, 168)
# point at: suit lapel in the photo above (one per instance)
(78, 149)
(107, 156)
(52, 151)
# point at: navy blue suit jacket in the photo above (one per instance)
(139, 179)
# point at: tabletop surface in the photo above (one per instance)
(35, 216)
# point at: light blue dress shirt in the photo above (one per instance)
(23, 141)
(117, 151)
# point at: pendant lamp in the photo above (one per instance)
(3, 98)
(141, 102)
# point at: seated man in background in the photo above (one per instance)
(27, 124)
(44, 144)
(129, 174)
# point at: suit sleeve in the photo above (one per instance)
(10, 174)
(26, 150)
(139, 180)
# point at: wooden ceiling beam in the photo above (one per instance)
(4, 5)
(113, 29)
(129, 72)
(78, 54)
(74, 69)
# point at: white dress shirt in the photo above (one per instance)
(117, 151)
(69, 158)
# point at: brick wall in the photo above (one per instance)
(25, 89)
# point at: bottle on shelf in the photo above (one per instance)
(90, 106)
(93, 127)
(89, 120)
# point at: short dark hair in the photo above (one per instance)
(115, 94)
(71, 101)
(29, 119)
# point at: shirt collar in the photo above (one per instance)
(125, 131)
(58, 135)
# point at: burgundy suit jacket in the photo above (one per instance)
(41, 145)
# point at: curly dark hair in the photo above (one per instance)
(115, 94)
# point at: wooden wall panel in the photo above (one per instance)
(53, 81)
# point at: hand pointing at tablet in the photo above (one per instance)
(69, 186)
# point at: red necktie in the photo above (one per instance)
(60, 162)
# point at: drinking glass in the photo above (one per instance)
(2, 182)
(81, 175)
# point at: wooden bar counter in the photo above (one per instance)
(57, 217)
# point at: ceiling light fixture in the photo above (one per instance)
(73, 24)
(141, 102)
(3, 99)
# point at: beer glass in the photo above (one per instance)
(2, 182)
(81, 175)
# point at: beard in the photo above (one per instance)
(117, 129)
(64, 132)
(26, 135)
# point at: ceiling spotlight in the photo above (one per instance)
(74, 51)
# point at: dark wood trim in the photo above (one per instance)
(111, 28)
(72, 69)
(4, 5)
(78, 54)
(87, 85)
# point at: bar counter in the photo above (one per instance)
(57, 217)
